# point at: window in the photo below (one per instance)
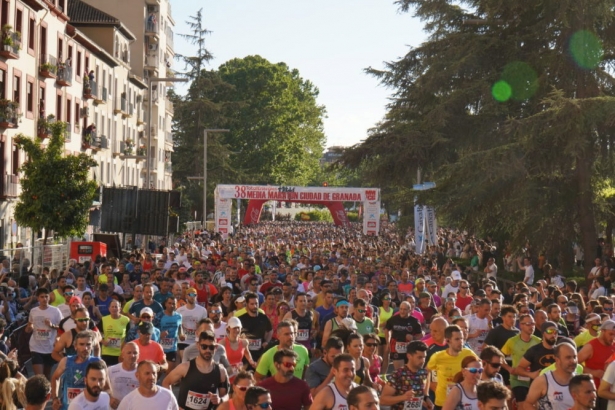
(32, 33)
(17, 89)
(15, 160)
(2, 84)
(77, 110)
(60, 50)
(41, 95)
(69, 110)
(5, 12)
(19, 20)
(30, 96)
(59, 107)
(78, 64)
(44, 42)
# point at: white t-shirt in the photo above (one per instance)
(44, 337)
(162, 400)
(81, 292)
(122, 381)
(450, 289)
(529, 274)
(609, 377)
(64, 309)
(220, 332)
(493, 270)
(190, 321)
(476, 324)
(601, 291)
(81, 403)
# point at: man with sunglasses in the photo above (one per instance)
(539, 356)
(191, 314)
(592, 330)
(202, 382)
(286, 331)
(492, 359)
(257, 398)
(365, 325)
(65, 344)
(409, 385)
(287, 390)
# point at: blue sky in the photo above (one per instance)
(330, 42)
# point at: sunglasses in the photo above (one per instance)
(242, 388)
(361, 310)
(192, 295)
(607, 309)
(596, 327)
(216, 312)
(495, 365)
(551, 331)
(265, 405)
(146, 317)
(83, 319)
(210, 347)
(289, 365)
(68, 293)
(371, 344)
(386, 298)
(475, 370)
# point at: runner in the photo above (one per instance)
(257, 327)
(236, 348)
(171, 330)
(191, 314)
(122, 376)
(114, 333)
(363, 398)
(43, 323)
(286, 337)
(92, 397)
(65, 345)
(334, 397)
(287, 391)
(148, 396)
(306, 320)
(400, 330)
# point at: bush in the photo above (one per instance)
(315, 216)
(353, 216)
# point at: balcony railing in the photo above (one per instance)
(65, 75)
(101, 97)
(48, 66)
(168, 167)
(90, 88)
(90, 139)
(169, 106)
(151, 27)
(123, 104)
(9, 114)
(169, 137)
(10, 186)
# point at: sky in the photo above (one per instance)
(330, 42)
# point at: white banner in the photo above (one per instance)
(431, 225)
(419, 229)
(224, 206)
(295, 193)
(371, 218)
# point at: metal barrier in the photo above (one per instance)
(36, 257)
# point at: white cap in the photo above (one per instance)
(350, 324)
(456, 275)
(146, 310)
(234, 322)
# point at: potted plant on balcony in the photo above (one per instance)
(8, 114)
(128, 146)
(141, 151)
(48, 69)
(43, 128)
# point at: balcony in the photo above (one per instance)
(48, 67)
(90, 89)
(129, 147)
(151, 65)
(90, 139)
(169, 138)
(9, 114)
(151, 28)
(140, 120)
(129, 112)
(154, 131)
(146, 97)
(168, 167)
(118, 148)
(153, 2)
(101, 98)
(121, 107)
(65, 75)
(169, 107)
(9, 187)
(142, 136)
(43, 128)
(11, 43)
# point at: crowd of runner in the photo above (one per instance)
(304, 315)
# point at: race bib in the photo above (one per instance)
(197, 401)
(414, 404)
(73, 392)
(303, 335)
(42, 334)
(434, 376)
(401, 347)
(167, 343)
(189, 332)
(114, 342)
(255, 344)
(523, 378)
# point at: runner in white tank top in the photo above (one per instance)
(558, 396)
(466, 403)
(339, 401)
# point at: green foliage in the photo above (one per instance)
(57, 192)
(353, 216)
(513, 125)
(315, 216)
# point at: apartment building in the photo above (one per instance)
(68, 60)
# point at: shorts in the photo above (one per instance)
(383, 341)
(43, 358)
(171, 356)
(520, 393)
(182, 346)
(394, 355)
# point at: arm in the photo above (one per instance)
(247, 354)
(537, 389)
(453, 399)
(325, 336)
(58, 348)
(586, 353)
(312, 379)
(521, 369)
(164, 365)
(176, 375)
(389, 398)
(604, 390)
(54, 381)
(323, 400)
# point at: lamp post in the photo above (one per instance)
(212, 130)
(148, 157)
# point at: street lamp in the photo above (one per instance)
(212, 130)
(148, 157)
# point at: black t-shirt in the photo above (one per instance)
(499, 335)
(539, 357)
(255, 327)
(402, 326)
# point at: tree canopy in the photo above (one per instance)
(508, 107)
(56, 190)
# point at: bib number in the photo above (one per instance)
(189, 332)
(168, 343)
(42, 334)
(523, 378)
(255, 344)
(401, 347)
(197, 401)
(414, 404)
(303, 335)
(73, 392)
(114, 342)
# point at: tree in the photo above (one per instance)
(275, 121)
(56, 191)
(507, 108)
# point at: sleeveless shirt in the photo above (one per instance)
(73, 378)
(305, 325)
(339, 401)
(70, 350)
(194, 389)
(600, 356)
(558, 396)
(466, 403)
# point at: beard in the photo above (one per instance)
(93, 391)
(551, 342)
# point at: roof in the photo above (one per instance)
(83, 14)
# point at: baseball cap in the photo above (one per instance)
(419, 280)
(234, 322)
(191, 290)
(276, 291)
(608, 325)
(240, 299)
(591, 317)
(147, 310)
(549, 324)
(456, 275)
(182, 269)
(146, 328)
(349, 323)
(74, 299)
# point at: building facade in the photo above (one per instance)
(72, 61)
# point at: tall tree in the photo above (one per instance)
(56, 190)
(507, 108)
